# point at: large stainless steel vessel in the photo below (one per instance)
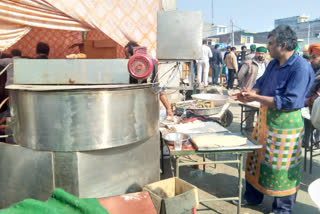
(82, 118)
(91, 140)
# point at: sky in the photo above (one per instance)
(251, 15)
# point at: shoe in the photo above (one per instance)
(244, 202)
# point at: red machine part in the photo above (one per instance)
(140, 66)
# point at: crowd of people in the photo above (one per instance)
(231, 63)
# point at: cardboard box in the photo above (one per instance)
(173, 196)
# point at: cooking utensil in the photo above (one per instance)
(170, 138)
(218, 99)
(206, 111)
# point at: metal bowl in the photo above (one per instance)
(218, 99)
(207, 111)
(170, 138)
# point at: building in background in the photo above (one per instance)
(308, 31)
(212, 30)
(261, 38)
(293, 21)
(219, 30)
(240, 38)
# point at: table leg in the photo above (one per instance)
(311, 148)
(162, 159)
(204, 166)
(305, 156)
(240, 181)
(241, 120)
(177, 167)
(171, 166)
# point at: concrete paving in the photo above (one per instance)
(222, 182)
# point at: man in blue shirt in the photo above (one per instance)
(275, 169)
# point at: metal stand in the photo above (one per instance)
(244, 118)
(238, 161)
(309, 148)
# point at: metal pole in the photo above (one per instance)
(177, 167)
(240, 182)
(232, 34)
(212, 10)
(308, 34)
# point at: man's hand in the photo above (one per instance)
(249, 95)
(245, 95)
(170, 116)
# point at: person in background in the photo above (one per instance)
(252, 53)
(42, 50)
(128, 51)
(274, 170)
(16, 54)
(231, 63)
(253, 69)
(314, 93)
(216, 63)
(250, 71)
(224, 58)
(203, 65)
(242, 56)
(227, 52)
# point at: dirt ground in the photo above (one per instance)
(222, 181)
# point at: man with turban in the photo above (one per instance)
(314, 53)
(252, 54)
(250, 71)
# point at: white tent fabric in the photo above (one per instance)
(121, 20)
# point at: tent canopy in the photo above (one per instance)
(121, 20)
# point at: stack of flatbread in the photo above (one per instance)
(218, 140)
(77, 56)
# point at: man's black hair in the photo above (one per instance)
(16, 52)
(243, 47)
(229, 47)
(130, 46)
(204, 41)
(216, 46)
(233, 48)
(43, 48)
(284, 34)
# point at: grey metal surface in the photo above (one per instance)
(179, 34)
(128, 168)
(71, 71)
(82, 120)
(24, 173)
(66, 175)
